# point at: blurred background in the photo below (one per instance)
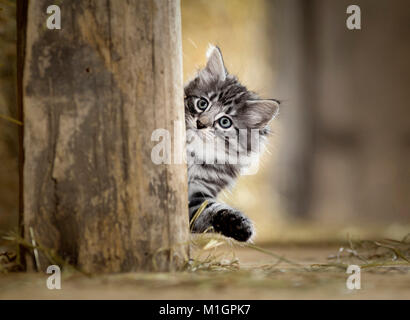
(338, 161)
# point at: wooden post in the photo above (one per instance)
(93, 93)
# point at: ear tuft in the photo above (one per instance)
(210, 50)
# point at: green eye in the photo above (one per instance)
(202, 104)
(225, 122)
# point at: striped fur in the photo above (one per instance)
(212, 95)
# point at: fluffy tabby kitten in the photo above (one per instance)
(218, 109)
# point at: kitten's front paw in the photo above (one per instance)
(233, 224)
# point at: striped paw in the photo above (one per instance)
(232, 223)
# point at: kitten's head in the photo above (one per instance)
(219, 108)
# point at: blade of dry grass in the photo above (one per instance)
(10, 119)
(197, 214)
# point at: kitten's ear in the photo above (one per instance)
(215, 68)
(260, 112)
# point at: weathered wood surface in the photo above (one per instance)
(93, 92)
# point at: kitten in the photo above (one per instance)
(218, 110)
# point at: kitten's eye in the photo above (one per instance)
(202, 104)
(225, 122)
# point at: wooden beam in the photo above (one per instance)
(93, 93)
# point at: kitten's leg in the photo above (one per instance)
(221, 217)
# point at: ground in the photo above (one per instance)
(250, 275)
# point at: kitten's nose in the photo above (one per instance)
(199, 124)
(205, 120)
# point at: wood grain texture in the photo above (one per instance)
(93, 92)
